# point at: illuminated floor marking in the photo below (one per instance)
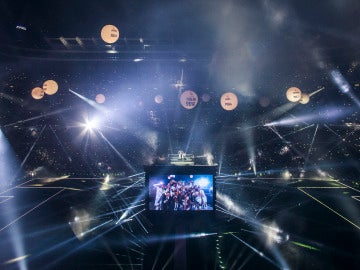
(349, 187)
(32, 209)
(7, 190)
(356, 198)
(6, 198)
(328, 207)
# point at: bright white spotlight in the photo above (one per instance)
(209, 158)
(105, 185)
(17, 259)
(230, 205)
(322, 173)
(274, 235)
(286, 174)
(111, 51)
(91, 124)
(79, 222)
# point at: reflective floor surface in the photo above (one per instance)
(260, 223)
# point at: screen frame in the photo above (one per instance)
(162, 170)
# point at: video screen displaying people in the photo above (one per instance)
(181, 192)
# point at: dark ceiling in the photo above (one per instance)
(255, 49)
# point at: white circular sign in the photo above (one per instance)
(229, 101)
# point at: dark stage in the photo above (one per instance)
(96, 94)
(261, 223)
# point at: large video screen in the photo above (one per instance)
(180, 191)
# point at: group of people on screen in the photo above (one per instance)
(179, 195)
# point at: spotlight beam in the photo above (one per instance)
(37, 117)
(116, 151)
(30, 150)
(280, 110)
(88, 101)
(311, 145)
(32, 209)
(328, 207)
(316, 91)
(61, 144)
(193, 127)
(287, 142)
(128, 187)
(256, 251)
(249, 140)
(54, 262)
(109, 250)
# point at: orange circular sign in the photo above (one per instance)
(50, 87)
(229, 101)
(100, 98)
(110, 33)
(305, 98)
(37, 93)
(189, 99)
(293, 94)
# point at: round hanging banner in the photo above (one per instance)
(206, 97)
(229, 101)
(110, 33)
(37, 93)
(159, 99)
(100, 98)
(50, 87)
(293, 94)
(189, 99)
(305, 98)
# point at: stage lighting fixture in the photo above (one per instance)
(340, 81)
(274, 234)
(138, 59)
(286, 174)
(80, 222)
(91, 124)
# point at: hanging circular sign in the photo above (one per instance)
(110, 33)
(189, 99)
(159, 99)
(293, 94)
(50, 87)
(206, 97)
(305, 98)
(37, 93)
(229, 101)
(100, 98)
